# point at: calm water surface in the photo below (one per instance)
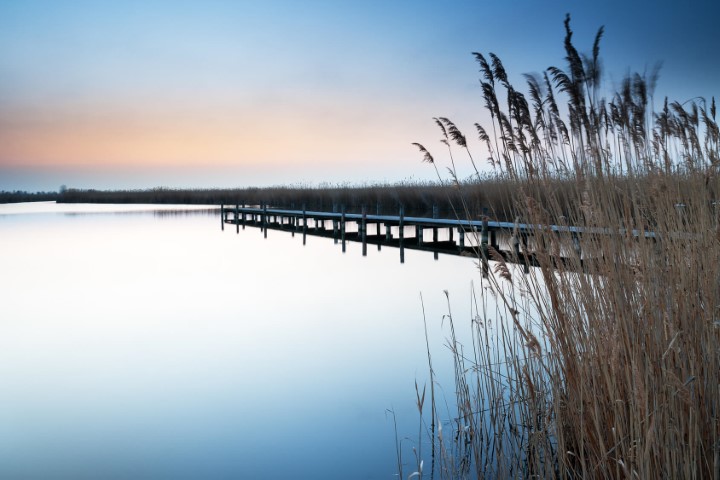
(140, 343)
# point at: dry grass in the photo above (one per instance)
(417, 198)
(609, 366)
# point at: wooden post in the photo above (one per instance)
(435, 236)
(342, 227)
(484, 237)
(402, 234)
(461, 235)
(363, 225)
(264, 220)
(419, 234)
(363, 231)
(335, 228)
(237, 218)
(388, 231)
(304, 220)
(576, 246)
(305, 227)
(222, 217)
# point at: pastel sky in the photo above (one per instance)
(137, 94)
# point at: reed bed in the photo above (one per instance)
(608, 365)
(421, 198)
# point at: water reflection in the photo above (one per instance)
(105, 209)
(138, 348)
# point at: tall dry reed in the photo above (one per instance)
(606, 365)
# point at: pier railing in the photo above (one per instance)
(466, 237)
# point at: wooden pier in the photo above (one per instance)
(472, 238)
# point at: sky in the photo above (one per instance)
(196, 94)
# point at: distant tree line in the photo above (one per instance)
(19, 196)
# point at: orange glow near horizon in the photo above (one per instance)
(162, 139)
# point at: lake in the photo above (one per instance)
(143, 341)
